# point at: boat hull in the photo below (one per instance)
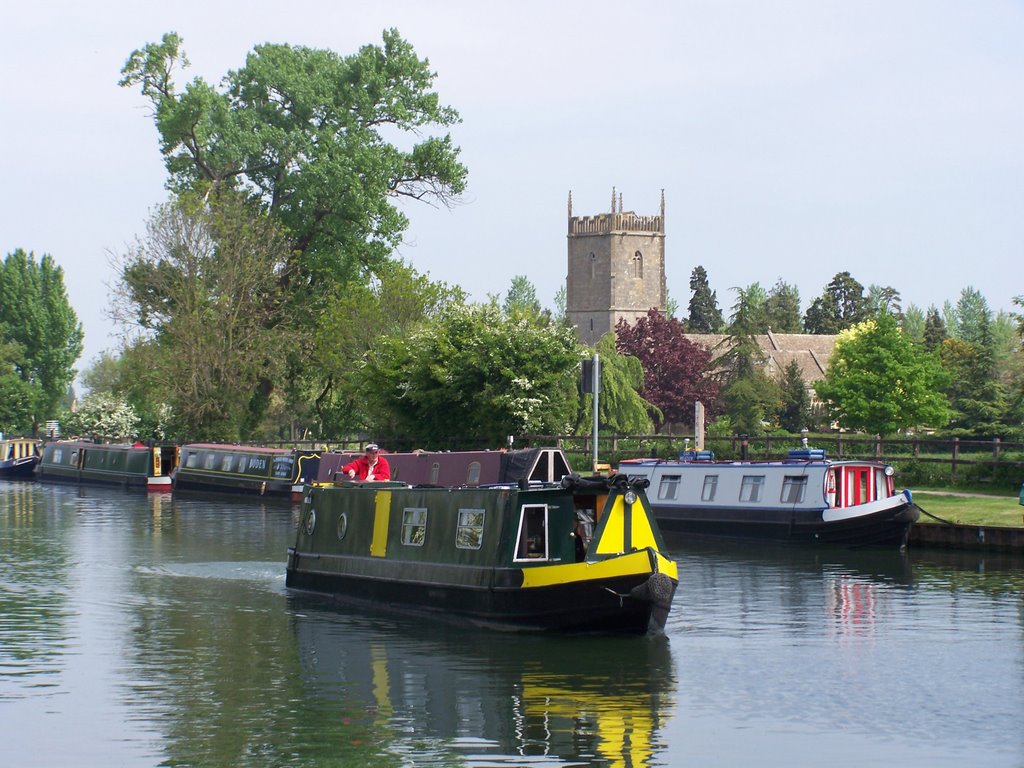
(883, 523)
(19, 469)
(615, 605)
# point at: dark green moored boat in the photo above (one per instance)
(245, 469)
(132, 466)
(582, 555)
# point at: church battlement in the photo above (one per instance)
(609, 223)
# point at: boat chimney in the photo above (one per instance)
(744, 448)
(803, 437)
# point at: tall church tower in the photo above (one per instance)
(616, 268)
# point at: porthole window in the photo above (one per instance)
(310, 524)
(342, 525)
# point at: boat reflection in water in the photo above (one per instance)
(486, 698)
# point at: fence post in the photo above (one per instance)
(917, 447)
(839, 445)
(768, 447)
(956, 456)
(878, 446)
(995, 449)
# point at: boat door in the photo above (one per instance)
(857, 486)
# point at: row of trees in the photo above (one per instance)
(976, 349)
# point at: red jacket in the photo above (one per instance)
(381, 470)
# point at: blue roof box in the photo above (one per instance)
(807, 454)
(696, 456)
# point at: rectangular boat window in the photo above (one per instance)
(283, 466)
(473, 476)
(58, 454)
(227, 463)
(470, 532)
(710, 486)
(258, 464)
(669, 486)
(751, 488)
(211, 460)
(793, 489)
(192, 459)
(533, 533)
(414, 526)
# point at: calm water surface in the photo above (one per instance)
(156, 631)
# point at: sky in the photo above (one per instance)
(793, 139)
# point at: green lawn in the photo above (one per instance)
(974, 509)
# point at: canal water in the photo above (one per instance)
(156, 631)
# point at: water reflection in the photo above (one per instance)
(34, 610)
(437, 695)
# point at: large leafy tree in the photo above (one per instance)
(35, 314)
(705, 316)
(473, 373)
(323, 143)
(675, 369)
(394, 303)
(879, 382)
(840, 306)
(204, 290)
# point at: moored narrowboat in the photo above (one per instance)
(804, 498)
(453, 468)
(128, 465)
(244, 469)
(18, 457)
(581, 555)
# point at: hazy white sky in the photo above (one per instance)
(793, 139)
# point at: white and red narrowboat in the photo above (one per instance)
(803, 498)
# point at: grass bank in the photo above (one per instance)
(970, 509)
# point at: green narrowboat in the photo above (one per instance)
(580, 555)
(245, 469)
(128, 465)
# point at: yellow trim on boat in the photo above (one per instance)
(613, 540)
(624, 565)
(381, 513)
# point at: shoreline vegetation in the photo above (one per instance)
(969, 508)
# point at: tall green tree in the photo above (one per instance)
(883, 299)
(782, 308)
(840, 306)
(472, 374)
(705, 316)
(324, 144)
(676, 371)
(36, 315)
(795, 414)
(879, 382)
(934, 330)
(913, 323)
(204, 288)
(521, 298)
(749, 315)
(620, 408)
(17, 396)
